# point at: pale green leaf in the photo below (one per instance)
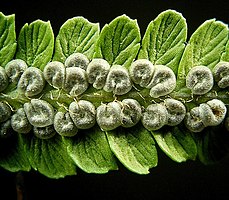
(225, 55)
(205, 47)
(119, 41)
(76, 35)
(134, 147)
(176, 143)
(13, 155)
(36, 44)
(164, 40)
(91, 152)
(7, 38)
(49, 156)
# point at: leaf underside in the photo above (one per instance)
(76, 35)
(205, 47)
(14, 158)
(36, 44)
(164, 40)
(225, 55)
(134, 147)
(119, 42)
(8, 42)
(49, 157)
(91, 152)
(176, 143)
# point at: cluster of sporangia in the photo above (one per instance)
(74, 77)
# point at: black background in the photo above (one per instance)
(169, 180)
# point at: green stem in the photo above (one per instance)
(57, 98)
